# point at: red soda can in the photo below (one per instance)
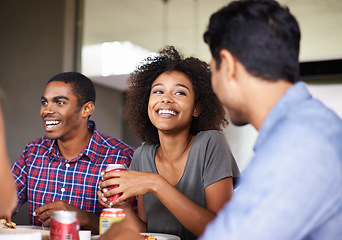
(114, 167)
(64, 226)
(110, 216)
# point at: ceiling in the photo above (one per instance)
(151, 24)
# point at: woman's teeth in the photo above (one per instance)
(165, 111)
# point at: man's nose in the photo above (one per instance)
(48, 109)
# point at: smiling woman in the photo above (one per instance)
(184, 172)
(198, 75)
(172, 102)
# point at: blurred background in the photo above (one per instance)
(105, 39)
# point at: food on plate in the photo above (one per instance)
(25, 230)
(148, 237)
(9, 227)
(7, 224)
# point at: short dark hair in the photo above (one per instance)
(261, 34)
(212, 113)
(82, 87)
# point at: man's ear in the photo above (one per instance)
(87, 109)
(228, 64)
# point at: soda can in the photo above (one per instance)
(114, 167)
(109, 216)
(64, 226)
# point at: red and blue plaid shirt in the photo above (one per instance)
(43, 175)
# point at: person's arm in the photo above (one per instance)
(8, 193)
(19, 172)
(86, 219)
(192, 216)
(287, 192)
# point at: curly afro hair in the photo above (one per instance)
(212, 113)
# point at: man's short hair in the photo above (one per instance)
(82, 87)
(261, 34)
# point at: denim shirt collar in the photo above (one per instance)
(293, 96)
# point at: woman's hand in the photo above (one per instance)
(129, 184)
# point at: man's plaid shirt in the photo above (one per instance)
(42, 175)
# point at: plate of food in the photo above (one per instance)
(32, 227)
(150, 236)
(7, 224)
(159, 236)
(10, 228)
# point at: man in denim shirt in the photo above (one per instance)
(292, 189)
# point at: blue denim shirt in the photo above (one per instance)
(292, 188)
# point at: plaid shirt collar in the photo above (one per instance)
(88, 151)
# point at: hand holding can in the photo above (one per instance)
(109, 168)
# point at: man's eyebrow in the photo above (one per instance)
(60, 97)
(55, 98)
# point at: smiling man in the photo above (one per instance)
(61, 170)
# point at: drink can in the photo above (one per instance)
(114, 167)
(64, 226)
(109, 216)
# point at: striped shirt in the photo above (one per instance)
(42, 175)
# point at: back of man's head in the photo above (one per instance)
(261, 34)
(82, 87)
